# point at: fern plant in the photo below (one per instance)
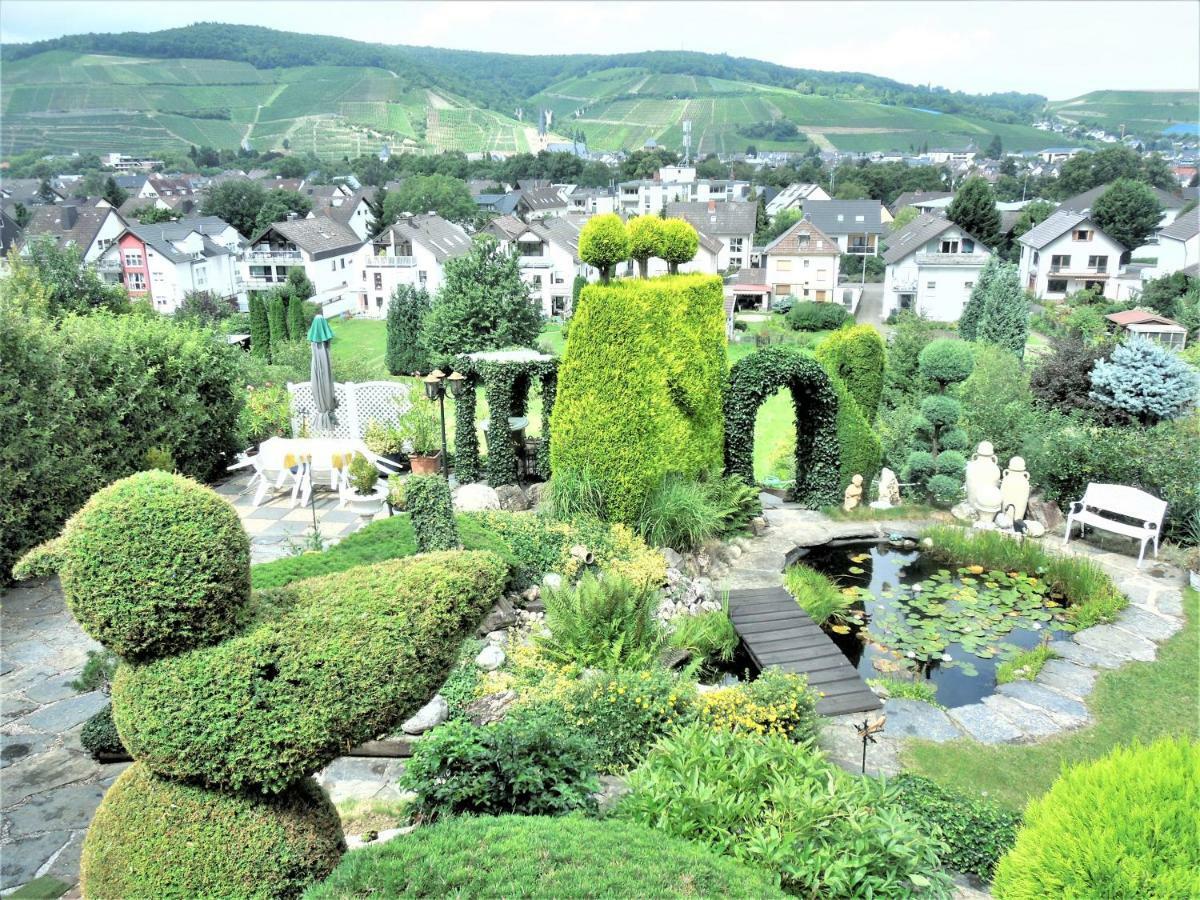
(602, 623)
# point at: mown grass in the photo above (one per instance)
(1138, 702)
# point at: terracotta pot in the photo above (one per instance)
(425, 465)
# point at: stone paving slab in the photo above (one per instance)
(1063, 709)
(63, 714)
(915, 718)
(1117, 642)
(1067, 678)
(981, 723)
(1029, 721)
(1146, 624)
(1087, 656)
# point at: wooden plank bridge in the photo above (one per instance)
(777, 632)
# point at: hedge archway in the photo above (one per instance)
(755, 378)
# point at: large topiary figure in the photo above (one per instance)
(406, 313)
(604, 242)
(1123, 826)
(645, 240)
(230, 704)
(639, 386)
(1145, 380)
(857, 356)
(155, 564)
(153, 837)
(945, 362)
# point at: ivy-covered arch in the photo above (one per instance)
(756, 377)
(506, 376)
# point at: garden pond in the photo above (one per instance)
(915, 616)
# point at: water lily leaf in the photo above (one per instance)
(855, 570)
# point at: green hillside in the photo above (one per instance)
(222, 85)
(1147, 113)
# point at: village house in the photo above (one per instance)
(1068, 253)
(548, 257)
(932, 265)
(922, 201)
(163, 263)
(591, 201)
(856, 225)
(794, 196)
(344, 205)
(802, 263)
(1178, 245)
(93, 229)
(413, 252)
(732, 223)
(326, 250)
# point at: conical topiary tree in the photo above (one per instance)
(277, 318)
(968, 322)
(1004, 320)
(406, 351)
(260, 329)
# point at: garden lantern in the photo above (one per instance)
(435, 389)
(458, 383)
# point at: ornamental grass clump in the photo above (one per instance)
(820, 597)
(1123, 826)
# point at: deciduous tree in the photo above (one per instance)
(1128, 212)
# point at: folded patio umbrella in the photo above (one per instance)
(324, 401)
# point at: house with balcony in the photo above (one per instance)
(548, 256)
(93, 229)
(802, 263)
(856, 225)
(731, 222)
(325, 249)
(540, 203)
(1067, 253)
(583, 201)
(413, 252)
(163, 263)
(345, 206)
(932, 266)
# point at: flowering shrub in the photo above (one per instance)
(776, 703)
(267, 414)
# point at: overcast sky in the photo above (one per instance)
(1051, 48)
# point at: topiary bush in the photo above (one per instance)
(628, 432)
(780, 806)
(977, 833)
(427, 499)
(756, 377)
(943, 362)
(406, 312)
(528, 763)
(524, 856)
(154, 838)
(603, 243)
(677, 244)
(946, 361)
(1123, 826)
(857, 356)
(340, 660)
(99, 735)
(156, 564)
(859, 449)
(812, 316)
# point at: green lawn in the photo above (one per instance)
(1139, 702)
(361, 340)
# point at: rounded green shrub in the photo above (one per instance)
(919, 466)
(155, 838)
(627, 432)
(952, 463)
(156, 564)
(1123, 826)
(857, 356)
(604, 242)
(812, 316)
(953, 439)
(534, 856)
(944, 489)
(940, 410)
(427, 500)
(99, 735)
(946, 361)
(342, 659)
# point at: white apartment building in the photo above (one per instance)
(1178, 245)
(1068, 253)
(413, 252)
(548, 256)
(932, 266)
(794, 196)
(325, 249)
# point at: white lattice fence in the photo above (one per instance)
(358, 404)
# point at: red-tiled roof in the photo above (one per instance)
(1139, 317)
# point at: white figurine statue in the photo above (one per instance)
(854, 492)
(888, 490)
(983, 480)
(1014, 488)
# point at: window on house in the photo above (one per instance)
(860, 218)
(1059, 261)
(1056, 286)
(806, 264)
(1098, 263)
(931, 285)
(137, 281)
(735, 245)
(379, 281)
(536, 280)
(133, 258)
(200, 275)
(1036, 257)
(1081, 234)
(783, 290)
(968, 246)
(422, 276)
(968, 284)
(333, 265)
(156, 277)
(379, 303)
(949, 246)
(343, 262)
(784, 265)
(906, 301)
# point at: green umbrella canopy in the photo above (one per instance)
(320, 330)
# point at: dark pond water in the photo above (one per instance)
(977, 619)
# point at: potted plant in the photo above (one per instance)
(420, 430)
(385, 440)
(366, 495)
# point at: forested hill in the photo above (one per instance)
(501, 80)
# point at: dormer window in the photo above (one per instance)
(949, 246)
(1082, 234)
(860, 218)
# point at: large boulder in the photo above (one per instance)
(512, 498)
(432, 714)
(476, 497)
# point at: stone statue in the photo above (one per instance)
(854, 492)
(983, 480)
(888, 490)
(1014, 488)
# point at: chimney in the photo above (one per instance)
(70, 215)
(712, 206)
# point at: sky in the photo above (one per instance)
(1058, 49)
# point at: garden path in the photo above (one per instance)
(1019, 712)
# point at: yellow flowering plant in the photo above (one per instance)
(775, 703)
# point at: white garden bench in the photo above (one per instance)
(1122, 501)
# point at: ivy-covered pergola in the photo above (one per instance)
(506, 376)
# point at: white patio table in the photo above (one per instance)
(274, 452)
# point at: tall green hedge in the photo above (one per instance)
(857, 356)
(756, 377)
(348, 656)
(81, 403)
(639, 386)
(860, 451)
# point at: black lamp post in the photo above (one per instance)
(435, 389)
